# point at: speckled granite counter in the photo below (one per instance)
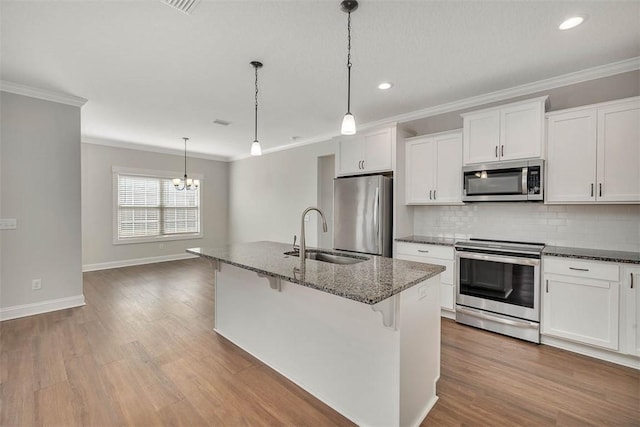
(593, 254)
(369, 281)
(429, 240)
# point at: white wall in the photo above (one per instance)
(98, 250)
(269, 193)
(612, 227)
(40, 183)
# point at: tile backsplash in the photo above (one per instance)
(611, 227)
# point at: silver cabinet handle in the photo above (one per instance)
(496, 151)
(426, 252)
(547, 285)
(592, 189)
(600, 190)
(430, 191)
(375, 210)
(631, 274)
(502, 151)
(578, 269)
(434, 194)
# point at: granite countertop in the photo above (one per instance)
(593, 254)
(369, 282)
(429, 240)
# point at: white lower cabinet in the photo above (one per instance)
(581, 301)
(631, 310)
(434, 254)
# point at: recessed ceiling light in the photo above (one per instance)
(572, 22)
(385, 85)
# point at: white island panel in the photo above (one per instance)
(338, 349)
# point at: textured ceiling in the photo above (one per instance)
(152, 74)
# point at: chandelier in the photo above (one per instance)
(186, 183)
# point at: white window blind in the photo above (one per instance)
(151, 207)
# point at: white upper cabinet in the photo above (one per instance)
(509, 132)
(618, 164)
(366, 152)
(571, 157)
(593, 154)
(433, 169)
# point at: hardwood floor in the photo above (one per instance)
(142, 352)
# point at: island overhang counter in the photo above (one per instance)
(363, 338)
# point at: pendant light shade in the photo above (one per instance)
(256, 150)
(348, 122)
(348, 125)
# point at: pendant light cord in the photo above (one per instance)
(255, 139)
(349, 63)
(185, 160)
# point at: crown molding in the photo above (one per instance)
(601, 71)
(47, 95)
(150, 148)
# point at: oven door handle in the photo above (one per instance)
(481, 315)
(499, 258)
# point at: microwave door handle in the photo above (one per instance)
(525, 173)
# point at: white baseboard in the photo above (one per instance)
(449, 314)
(587, 350)
(16, 311)
(136, 261)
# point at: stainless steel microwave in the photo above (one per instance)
(521, 180)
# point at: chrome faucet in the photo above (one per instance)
(303, 246)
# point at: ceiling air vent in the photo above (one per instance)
(184, 6)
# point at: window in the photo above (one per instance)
(149, 208)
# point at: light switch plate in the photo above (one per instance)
(8, 223)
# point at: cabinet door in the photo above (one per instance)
(631, 318)
(619, 153)
(571, 157)
(521, 131)
(449, 169)
(581, 310)
(378, 151)
(420, 169)
(481, 133)
(415, 252)
(350, 155)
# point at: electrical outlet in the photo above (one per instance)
(36, 284)
(422, 292)
(8, 224)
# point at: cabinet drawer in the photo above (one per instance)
(580, 268)
(421, 250)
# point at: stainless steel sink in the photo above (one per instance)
(329, 257)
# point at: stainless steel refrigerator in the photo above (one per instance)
(362, 214)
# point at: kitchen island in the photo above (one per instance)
(364, 337)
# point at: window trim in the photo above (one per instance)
(116, 170)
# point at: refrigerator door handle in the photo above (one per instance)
(376, 207)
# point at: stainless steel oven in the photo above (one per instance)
(498, 286)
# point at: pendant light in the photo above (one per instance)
(256, 150)
(186, 183)
(348, 122)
